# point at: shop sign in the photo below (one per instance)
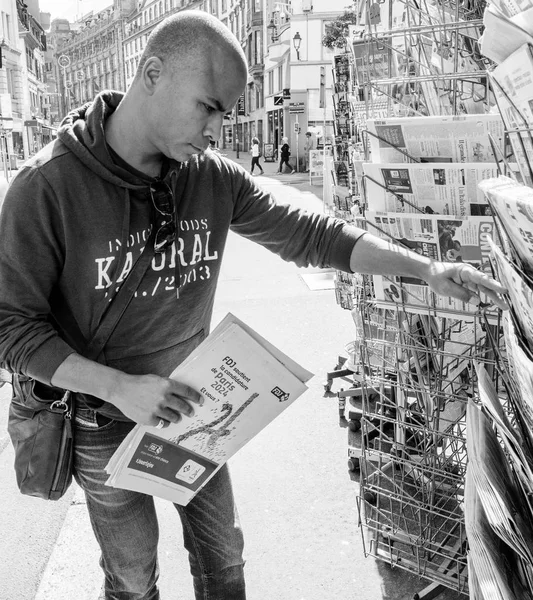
(296, 108)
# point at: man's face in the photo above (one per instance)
(190, 104)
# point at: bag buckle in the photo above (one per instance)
(62, 404)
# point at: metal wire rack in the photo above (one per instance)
(413, 432)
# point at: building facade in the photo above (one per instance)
(287, 92)
(88, 58)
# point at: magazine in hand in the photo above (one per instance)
(246, 383)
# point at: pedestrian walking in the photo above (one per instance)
(285, 153)
(256, 153)
(130, 171)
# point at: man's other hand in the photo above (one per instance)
(148, 399)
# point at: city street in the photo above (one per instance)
(296, 498)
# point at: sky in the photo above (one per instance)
(70, 9)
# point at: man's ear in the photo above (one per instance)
(151, 73)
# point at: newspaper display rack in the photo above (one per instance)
(428, 120)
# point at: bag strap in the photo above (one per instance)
(69, 328)
(120, 301)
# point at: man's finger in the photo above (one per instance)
(495, 298)
(184, 391)
(482, 280)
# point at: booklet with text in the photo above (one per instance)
(246, 383)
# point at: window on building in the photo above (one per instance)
(150, 17)
(8, 27)
(10, 82)
(280, 77)
(270, 82)
(223, 6)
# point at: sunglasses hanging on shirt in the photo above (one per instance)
(163, 201)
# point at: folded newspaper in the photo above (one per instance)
(444, 139)
(246, 383)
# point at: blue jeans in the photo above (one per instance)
(125, 523)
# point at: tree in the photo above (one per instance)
(337, 31)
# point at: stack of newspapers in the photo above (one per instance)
(512, 204)
(497, 501)
(422, 192)
(499, 483)
(246, 382)
(512, 85)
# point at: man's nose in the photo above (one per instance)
(214, 126)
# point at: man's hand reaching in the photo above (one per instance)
(462, 281)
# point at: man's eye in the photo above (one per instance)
(209, 109)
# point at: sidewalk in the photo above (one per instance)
(271, 170)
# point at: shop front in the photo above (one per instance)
(275, 128)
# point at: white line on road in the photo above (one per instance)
(73, 570)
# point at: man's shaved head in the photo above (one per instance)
(191, 73)
(189, 39)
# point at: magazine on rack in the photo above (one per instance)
(496, 484)
(513, 89)
(504, 34)
(498, 536)
(246, 383)
(442, 188)
(520, 290)
(439, 237)
(463, 139)
(512, 203)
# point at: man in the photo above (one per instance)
(77, 217)
(309, 145)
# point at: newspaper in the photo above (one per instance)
(443, 139)
(442, 188)
(246, 383)
(520, 290)
(513, 90)
(504, 34)
(510, 8)
(513, 436)
(439, 237)
(521, 367)
(512, 203)
(495, 564)
(496, 484)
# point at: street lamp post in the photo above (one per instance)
(64, 62)
(297, 41)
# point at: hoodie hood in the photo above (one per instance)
(83, 132)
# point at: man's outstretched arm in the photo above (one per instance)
(372, 255)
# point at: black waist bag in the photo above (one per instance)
(40, 427)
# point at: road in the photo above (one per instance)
(296, 498)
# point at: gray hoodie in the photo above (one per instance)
(74, 222)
